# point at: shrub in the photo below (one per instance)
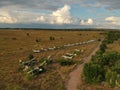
(38, 40)
(30, 56)
(28, 34)
(64, 62)
(14, 38)
(105, 66)
(111, 78)
(29, 76)
(48, 61)
(103, 47)
(99, 39)
(41, 59)
(51, 38)
(112, 36)
(93, 73)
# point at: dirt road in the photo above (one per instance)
(75, 76)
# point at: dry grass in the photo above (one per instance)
(114, 46)
(16, 44)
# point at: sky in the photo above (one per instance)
(60, 14)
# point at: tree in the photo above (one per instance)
(93, 73)
(103, 47)
(110, 58)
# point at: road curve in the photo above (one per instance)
(75, 75)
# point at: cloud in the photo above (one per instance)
(88, 22)
(60, 16)
(31, 4)
(6, 18)
(51, 5)
(113, 20)
(107, 4)
(63, 16)
(14, 17)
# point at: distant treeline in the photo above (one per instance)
(83, 29)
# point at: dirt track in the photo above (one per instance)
(75, 76)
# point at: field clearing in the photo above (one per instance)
(18, 44)
(114, 46)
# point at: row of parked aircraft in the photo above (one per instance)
(58, 47)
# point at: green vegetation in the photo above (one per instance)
(64, 62)
(29, 76)
(112, 36)
(94, 73)
(103, 47)
(30, 56)
(13, 87)
(44, 59)
(104, 66)
(51, 38)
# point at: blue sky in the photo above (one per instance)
(60, 13)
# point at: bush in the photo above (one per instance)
(99, 39)
(27, 34)
(104, 66)
(14, 38)
(112, 36)
(103, 47)
(64, 62)
(29, 76)
(30, 56)
(51, 38)
(38, 40)
(48, 61)
(93, 73)
(111, 78)
(41, 59)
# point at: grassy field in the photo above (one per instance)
(18, 44)
(114, 46)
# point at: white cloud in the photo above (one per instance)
(113, 20)
(63, 16)
(53, 4)
(6, 18)
(17, 17)
(88, 22)
(60, 16)
(41, 18)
